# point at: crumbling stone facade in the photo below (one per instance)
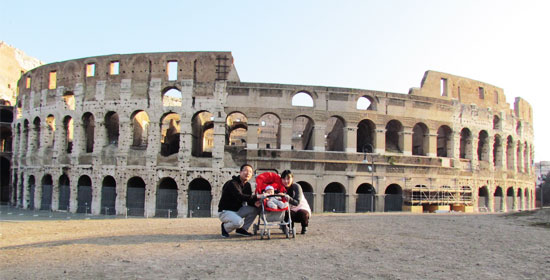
(158, 134)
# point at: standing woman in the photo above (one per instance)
(299, 208)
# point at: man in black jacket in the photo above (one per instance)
(237, 209)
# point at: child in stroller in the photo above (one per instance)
(274, 207)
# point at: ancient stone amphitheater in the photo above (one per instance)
(157, 134)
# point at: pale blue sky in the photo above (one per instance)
(379, 45)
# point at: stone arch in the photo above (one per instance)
(497, 124)
(483, 198)
(202, 125)
(420, 143)
(465, 143)
(366, 135)
(366, 198)
(112, 128)
(519, 165)
(199, 198)
(50, 132)
(520, 199)
(84, 194)
(269, 131)
(526, 157)
(366, 102)
(171, 96)
(68, 131)
(88, 127)
(302, 133)
(135, 197)
(170, 134)
(510, 153)
(31, 186)
(140, 128)
(510, 199)
(167, 198)
(108, 196)
(335, 134)
(26, 131)
(47, 188)
(37, 137)
(444, 145)
(393, 199)
(497, 151)
(483, 146)
(309, 194)
(394, 136)
(236, 128)
(64, 192)
(303, 99)
(334, 198)
(498, 199)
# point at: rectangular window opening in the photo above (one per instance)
(443, 87)
(496, 97)
(28, 83)
(172, 70)
(481, 93)
(53, 80)
(90, 69)
(115, 67)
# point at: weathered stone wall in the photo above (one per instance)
(426, 138)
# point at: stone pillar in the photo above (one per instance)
(252, 134)
(95, 208)
(453, 151)
(350, 139)
(153, 143)
(73, 190)
(55, 192)
(490, 143)
(219, 140)
(491, 194)
(150, 195)
(350, 195)
(186, 141)
(405, 140)
(380, 139)
(519, 153)
(512, 165)
(431, 149)
(286, 134)
(319, 137)
(471, 152)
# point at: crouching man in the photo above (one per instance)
(238, 206)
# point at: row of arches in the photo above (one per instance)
(498, 201)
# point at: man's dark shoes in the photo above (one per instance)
(224, 232)
(304, 230)
(243, 232)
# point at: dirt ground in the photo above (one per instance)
(337, 246)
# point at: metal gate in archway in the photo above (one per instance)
(199, 198)
(334, 199)
(31, 197)
(108, 200)
(46, 202)
(167, 199)
(64, 195)
(393, 199)
(365, 198)
(84, 199)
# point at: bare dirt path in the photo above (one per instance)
(359, 246)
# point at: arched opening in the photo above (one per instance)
(496, 122)
(269, 132)
(236, 127)
(519, 154)
(483, 146)
(167, 198)
(497, 151)
(171, 97)
(420, 139)
(170, 134)
(334, 198)
(135, 197)
(497, 204)
(465, 143)
(307, 189)
(64, 193)
(366, 103)
(112, 128)
(21, 189)
(202, 125)
(25, 142)
(334, 134)
(68, 97)
(108, 196)
(84, 195)
(520, 199)
(366, 198)
(510, 153)
(483, 198)
(30, 188)
(393, 199)
(140, 128)
(88, 126)
(444, 145)
(518, 128)
(302, 133)
(365, 136)
(199, 198)
(36, 129)
(49, 137)
(6, 116)
(526, 158)
(510, 199)
(68, 131)
(394, 137)
(302, 99)
(5, 139)
(5, 180)
(47, 186)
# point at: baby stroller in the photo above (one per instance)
(270, 218)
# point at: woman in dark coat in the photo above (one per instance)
(299, 208)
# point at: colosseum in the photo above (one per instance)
(157, 134)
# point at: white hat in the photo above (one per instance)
(269, 188)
